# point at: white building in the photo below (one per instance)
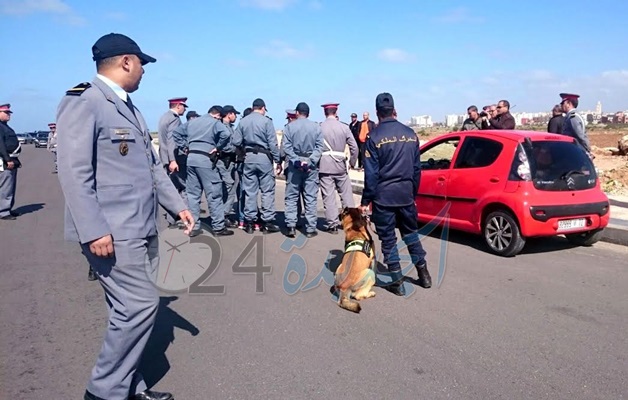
(422, 121)
(598, 108)
(452, 120)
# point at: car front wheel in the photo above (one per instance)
(585, 238)
(502, 235)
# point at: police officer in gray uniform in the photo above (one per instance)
(226, 166)
(9, 163)
(302, 143)
(180, 138)
(52, 142)
(113, 184)
(573, 124)
(207, 137)
(168, 122)
(333, 169)
(256, 135)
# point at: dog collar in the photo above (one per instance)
(359, 245)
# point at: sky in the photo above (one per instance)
(434, 57)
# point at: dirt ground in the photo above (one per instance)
(612, 169)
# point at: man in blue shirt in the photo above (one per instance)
(392, 171)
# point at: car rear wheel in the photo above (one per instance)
(502, 235)
(585, 238)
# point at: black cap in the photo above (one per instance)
(303, 108)
(229, 109)
(257, 103)
(354, 115)
(191, 114)
(384, 100)
(215, 110)
(116, 44)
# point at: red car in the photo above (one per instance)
(512, 185)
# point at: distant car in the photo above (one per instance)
(41, 140)
(512, 185)
(24, 138)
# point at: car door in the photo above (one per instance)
(475, 174)
(436, 161)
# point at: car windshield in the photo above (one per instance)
(558, 165)
(42, 136)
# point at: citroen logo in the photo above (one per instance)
(571, 183)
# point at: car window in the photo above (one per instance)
(439, 155)
(558, 165)
(477, 152)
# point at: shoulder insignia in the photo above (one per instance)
(78, 89)
(268, 117)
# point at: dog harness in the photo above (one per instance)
(359, 245)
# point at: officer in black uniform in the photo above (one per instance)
(9, 163)
(392, 170)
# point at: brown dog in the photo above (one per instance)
(355, 276)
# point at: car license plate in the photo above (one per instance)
(568, 224)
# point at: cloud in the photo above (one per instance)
(59, 9)
(117, 16)
(395, 55)
(280, 49)
(458, 15)
(275, 5)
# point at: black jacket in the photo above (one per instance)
(503, 121)
(555, 124)
(359, 128)
(8, 141)
(392, 165)
(355, 129)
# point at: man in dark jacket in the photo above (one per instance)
(392, 174)
(555, 124)
(504, 119)
(364, 127)
(9, 163)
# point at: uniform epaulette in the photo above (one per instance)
(78, 89)
(268, 117)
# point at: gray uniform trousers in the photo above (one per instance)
(228, 176)
(207, 179)
(329, 184)
(8, 184)
(258, 178)
(297, 183)
(133, 300)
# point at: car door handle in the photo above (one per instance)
(441, 179)
(494, 179)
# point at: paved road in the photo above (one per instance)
(548, 324)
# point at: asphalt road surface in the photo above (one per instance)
(548, 324)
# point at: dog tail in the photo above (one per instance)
(345, 301)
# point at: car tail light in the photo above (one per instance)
(523, 167)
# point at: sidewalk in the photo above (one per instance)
(616, 231)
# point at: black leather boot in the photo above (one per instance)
(425, 280)
(396, 287)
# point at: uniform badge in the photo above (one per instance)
(124, 148)
(367, 154)
(78, 89)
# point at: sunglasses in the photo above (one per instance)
(498, 107)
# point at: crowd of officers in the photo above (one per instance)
(234, 166)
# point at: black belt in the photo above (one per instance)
(258, 149)
(303, 154)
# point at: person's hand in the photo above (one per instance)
(278, 168)
(173, 166)
(364, 209)
(102, 247)
(10, 165)
(188, 220)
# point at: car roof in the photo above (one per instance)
(516, 135)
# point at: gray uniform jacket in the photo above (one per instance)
(337, 135)
(573, 126)
(303, 139)
(180, 136)
(257, 130)
(167, 123)
(205, 134)
(110, 175)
